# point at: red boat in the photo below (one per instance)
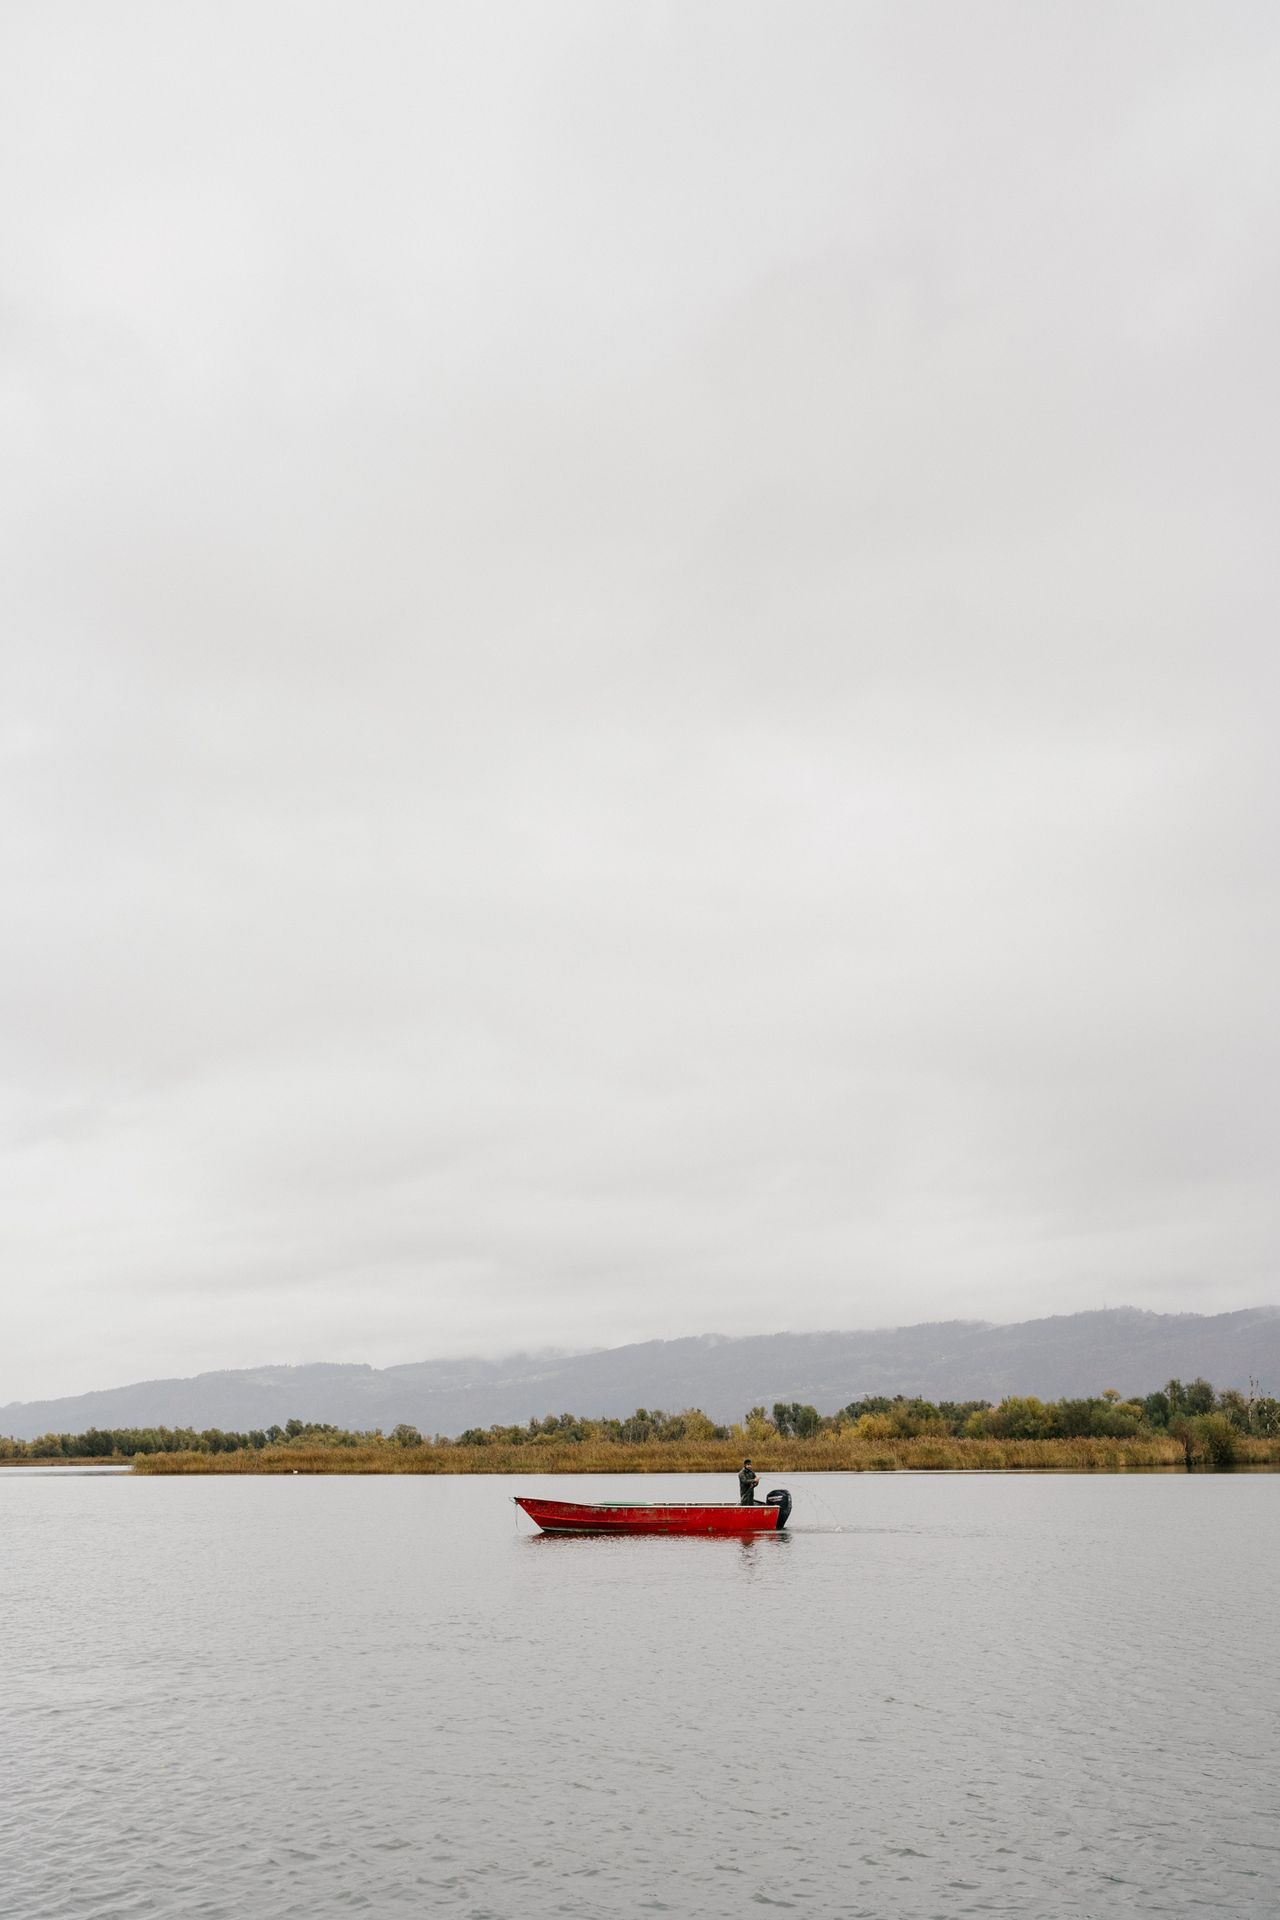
(569, 1516)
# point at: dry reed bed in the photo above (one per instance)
(842, 1452)
(62, 1460)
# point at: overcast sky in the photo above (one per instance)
(639, 672)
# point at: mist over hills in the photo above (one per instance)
(944, 1360)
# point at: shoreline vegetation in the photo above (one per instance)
(1191, 1427)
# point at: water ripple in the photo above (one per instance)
(299, 1699)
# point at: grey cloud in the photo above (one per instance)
(639, 673)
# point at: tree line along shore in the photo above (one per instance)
(1190, 1425)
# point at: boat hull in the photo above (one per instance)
(569, 1516)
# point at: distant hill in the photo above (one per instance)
(1069, 1354)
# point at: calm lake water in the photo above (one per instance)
(245, 1699)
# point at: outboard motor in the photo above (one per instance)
(781, 1499)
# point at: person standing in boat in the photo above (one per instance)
(748, 1481)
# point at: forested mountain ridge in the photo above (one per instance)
(1069, 1354)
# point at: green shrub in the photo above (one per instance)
(1217, 1439)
